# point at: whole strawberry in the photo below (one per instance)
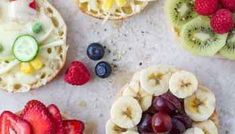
(228, 4)
(77, 74)
(206, 7)
(222, 21)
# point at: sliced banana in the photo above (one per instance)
(155, 80)
(126, 112)
(112, 128)
(133, 89)
(130, 132)
(208, 127)
(201, 105)
(194, 130)
(183, 84)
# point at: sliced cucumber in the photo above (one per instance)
(25, 48)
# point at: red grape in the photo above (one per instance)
(178, 127)
(145, 124)
(176, 102)
(184, 119)
(161, 122)
(162, 105)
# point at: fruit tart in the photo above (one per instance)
(111, 9)
(163, 99)
(205, 27)
(36, 118)
(32, 44)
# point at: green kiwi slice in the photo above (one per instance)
(179, 12)
(228, 51)
(198, 37)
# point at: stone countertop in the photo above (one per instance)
(143, 40)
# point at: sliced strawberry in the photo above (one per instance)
(38, 116)
(58, 122)
(33, 4)
(11, 123)
(73, 127)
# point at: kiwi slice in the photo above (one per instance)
(180, 12)
(228, 51)
(198, 37)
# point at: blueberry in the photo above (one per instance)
(103, 69)
(95, 51)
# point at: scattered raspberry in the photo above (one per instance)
(222, 21)
(206, 7)
(228, 4)
(77, 74)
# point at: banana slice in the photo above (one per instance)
(183, 84)
(126, 112)
(134, 90)
(194, 130)
(208, 127)
(130, 132)
(155, 80)
(201, 105)
(112, 128)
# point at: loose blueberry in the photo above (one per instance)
(95, 51)
(103, 69)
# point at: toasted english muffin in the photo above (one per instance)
(95, 8)
(52, 47)
(134, 92)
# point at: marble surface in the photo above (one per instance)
(145, 38)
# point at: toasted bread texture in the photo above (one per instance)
(53, 56)
(118, 14)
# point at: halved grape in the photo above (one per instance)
(178, 127)
(161, 123)
(145, 125)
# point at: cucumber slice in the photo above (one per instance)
(25, 48)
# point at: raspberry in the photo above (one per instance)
(222, 21)
(228, 4)
(206, 7)
(77, 74)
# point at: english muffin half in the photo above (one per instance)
(33, 44)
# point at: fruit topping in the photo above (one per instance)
(126, 112)
(77, 74)
(177, 127)
(37, 27)
(57, 118)
(198, 37)
(163, 105)
(73, 127)
(161, 123)
(121, 3)
(33, 4)
(38, 116)
(36, 63)
(194, 130)
(145, 125)
(201, 105)
(206, 7)
(95, 51)
(222, 22)
(207, 126)
(228, 4)
(185, 120)
(107, 5)
(26, 68)
(183, 84)
(12, 124)
(103, 69)
(176, 102)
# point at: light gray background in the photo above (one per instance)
(145, 38)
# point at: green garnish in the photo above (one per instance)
(37, 27)
(1, 48)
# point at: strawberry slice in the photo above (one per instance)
(73, 127)
(33, 4)
(12, 124)
(38, 116)
(58, 122)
